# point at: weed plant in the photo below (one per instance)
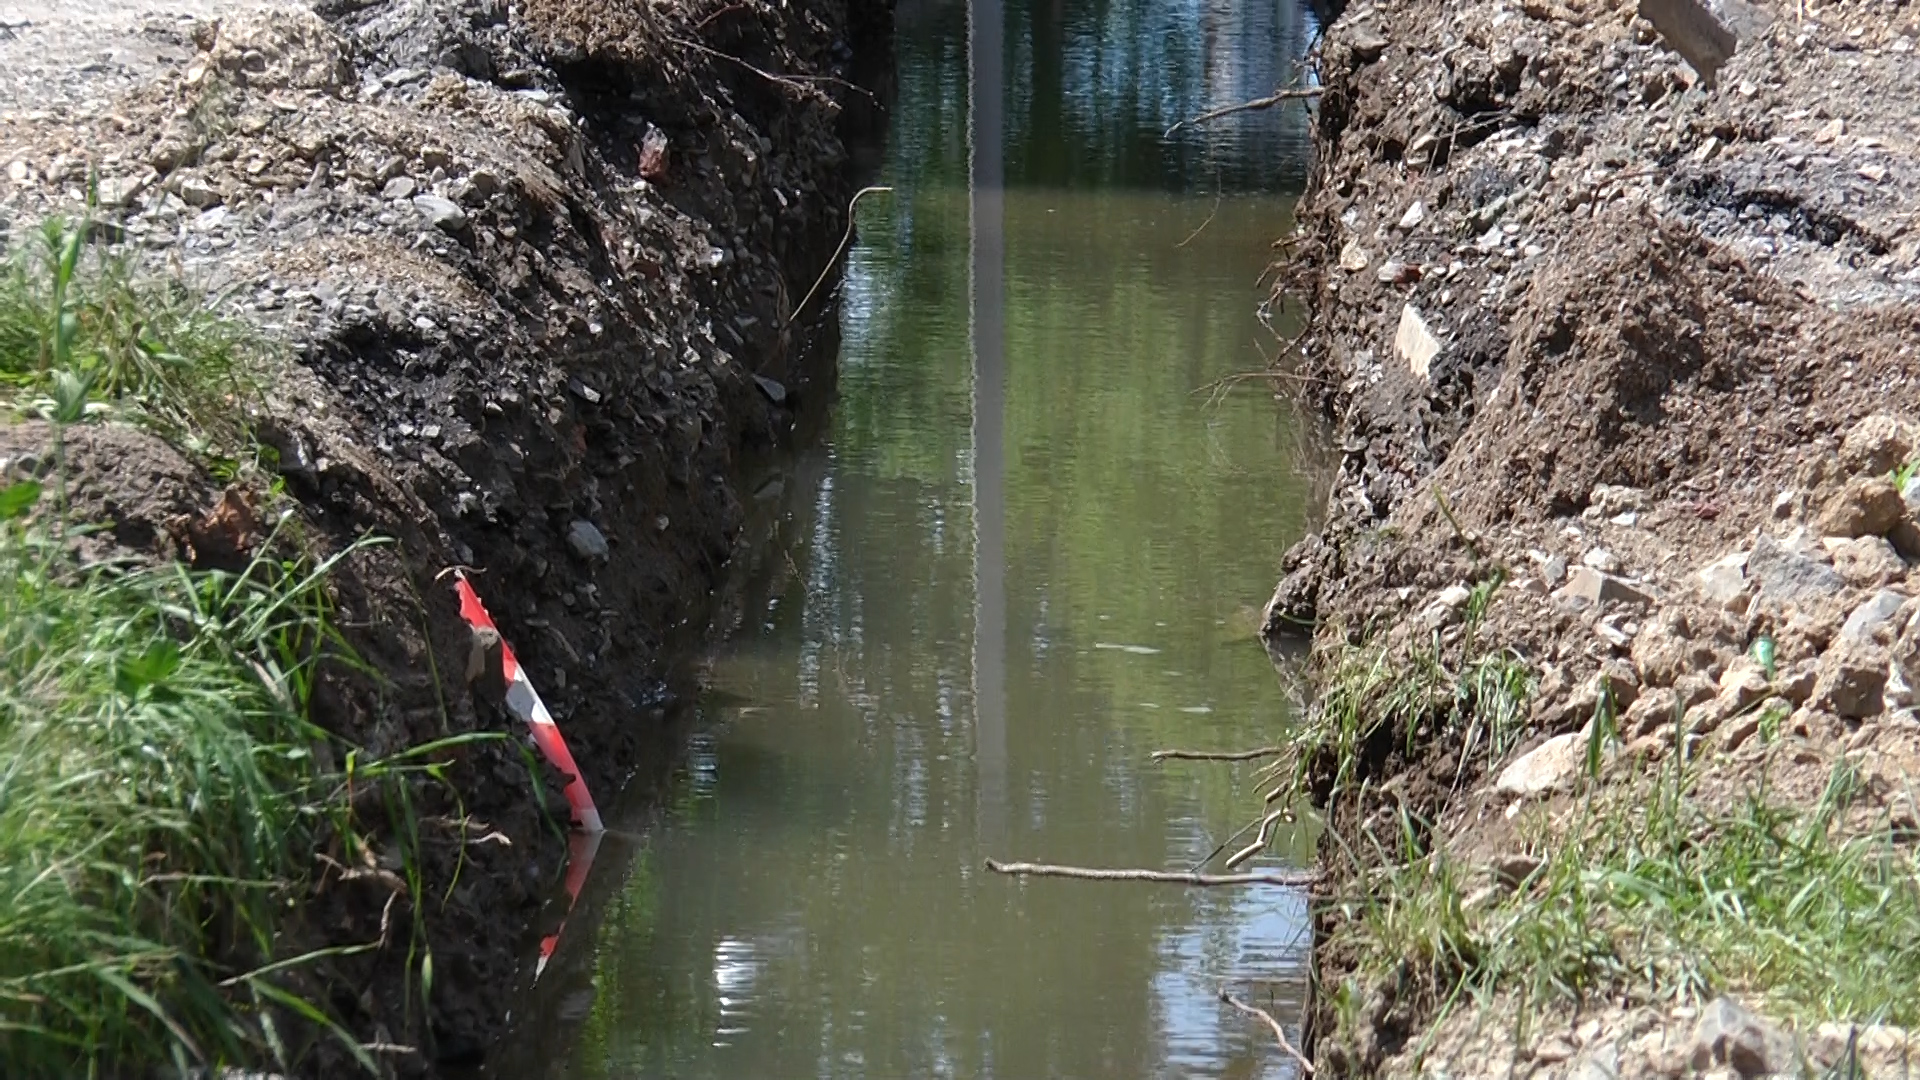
(158, 794)
(1645, 894)
(162, 796)
(149, 350)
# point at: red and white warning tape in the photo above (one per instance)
(524, 703)
(581, 849)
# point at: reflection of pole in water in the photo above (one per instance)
(986, 300)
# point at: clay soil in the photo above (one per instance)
(1678, 321)
(533, 273)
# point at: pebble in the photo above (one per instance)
(586, 541)
(442, 213)
(1724, 582)
(1544, 767)
(1595, 587)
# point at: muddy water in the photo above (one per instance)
(1028, 553)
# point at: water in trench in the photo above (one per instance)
(1027, 554)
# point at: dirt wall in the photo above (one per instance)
(1613, 352)
(537, 269)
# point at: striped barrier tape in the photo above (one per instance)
(524, 703)
(581, 849)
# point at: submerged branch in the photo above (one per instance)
(1268, 102)
(1019, 869)
(1217, 755)
(1279, 1032)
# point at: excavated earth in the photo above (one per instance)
(1588, 325)
(537, 269)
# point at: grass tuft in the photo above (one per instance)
(78, 319)
(1648, 896)
(159, 794)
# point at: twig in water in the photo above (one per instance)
(1215, 853)
(1203, 225)
(845, 239)
(1293, 878)
(1218, 388)
(1279, 1032)
(1244, 376)
(1260, 842)
(1217, 755)
(1268, 102)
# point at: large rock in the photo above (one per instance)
(1729, 1035)
(443, 213)
(1866, 506)
(1704, 32)
(1787, 576)
(1666, 648)
(1868, 620)
(1543, 768)
(1868, 562)
(1852, 680)
(1650, 712)
(280, 48)
(1878, 444)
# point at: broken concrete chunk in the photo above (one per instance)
(1704, 32)
(1544, 767)
(1414, 343)
(1596, 587)
(1353, 257)
(1867, 506)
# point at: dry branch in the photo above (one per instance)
(1279, 1032)
(1260, 842)
(845, 239)
(1268, 102)
(1294, 878)
(1217, 755)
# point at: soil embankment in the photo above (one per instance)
(1613, 613)
(536, 269)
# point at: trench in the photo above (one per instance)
(1026, 551)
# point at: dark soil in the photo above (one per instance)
(1639, 281)
(595, 322)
